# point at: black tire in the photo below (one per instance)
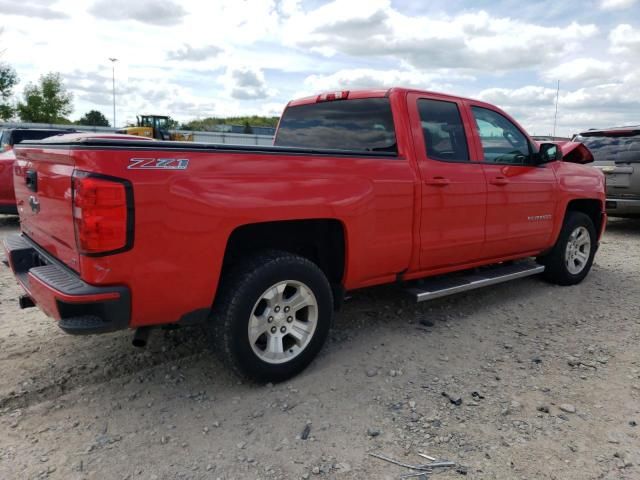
(241, 288)
(555, 262)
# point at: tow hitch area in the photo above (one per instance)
(79, 307)
(141, 337)
(25, 301)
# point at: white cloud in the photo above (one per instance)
(31, 8)
(625, 39)
(370, 78)
(467, 41)
(246, 83)
(187, 52)
(583, 70)
(606, 104)
(232, 57)
(153, 12)
(523, 97)
(616, 4)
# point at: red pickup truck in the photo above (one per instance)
(360, 188)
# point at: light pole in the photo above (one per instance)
(113, 80)
(555, 117)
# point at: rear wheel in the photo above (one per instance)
(570, 260)
(271, 316)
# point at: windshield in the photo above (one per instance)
(358, 125)
(618, 149)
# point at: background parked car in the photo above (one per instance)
(549, 138)
(617, 154)
(8, 138)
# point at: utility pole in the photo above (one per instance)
(113, 80)
(555, 117)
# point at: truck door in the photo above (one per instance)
(521, 195)
(453, 190)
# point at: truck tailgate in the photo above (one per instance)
(42, 181)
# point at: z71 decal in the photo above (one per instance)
(158, 163)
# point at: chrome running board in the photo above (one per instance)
(441, 286)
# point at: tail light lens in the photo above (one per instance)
(102, 214)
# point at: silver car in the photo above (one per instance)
(617, 154)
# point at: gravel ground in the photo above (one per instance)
(548, 379)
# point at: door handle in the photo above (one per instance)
(438, 181)
(499, 181)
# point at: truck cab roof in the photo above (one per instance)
(367, 93)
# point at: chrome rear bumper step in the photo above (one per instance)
(442, 286)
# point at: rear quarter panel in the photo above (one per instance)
(184, 218)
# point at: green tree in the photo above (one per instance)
(94, 118)
(172, 124)
(46, 102)
(8, 80)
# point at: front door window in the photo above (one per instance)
(502, 142)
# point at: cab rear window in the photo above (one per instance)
(360, 125)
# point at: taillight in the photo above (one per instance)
(102, 214)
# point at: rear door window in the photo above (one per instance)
(443, 131)
(360, 125)
(502, 141)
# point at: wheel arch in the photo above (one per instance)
(591, 207)
(322, 241)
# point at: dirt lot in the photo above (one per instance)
(556, 373)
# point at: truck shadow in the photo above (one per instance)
(623, 225)
(107, 360)
(9, 222)
(178, 361)
(177, 387)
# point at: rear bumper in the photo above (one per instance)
(623, 206)
(79, 308)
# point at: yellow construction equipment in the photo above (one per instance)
(155, 126)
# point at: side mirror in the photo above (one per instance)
(549, 152)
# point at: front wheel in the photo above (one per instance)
(272, 316)
(570, 260)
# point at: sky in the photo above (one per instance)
(194, 59)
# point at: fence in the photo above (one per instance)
(204, 137)
(230, 138)
(84, 128)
